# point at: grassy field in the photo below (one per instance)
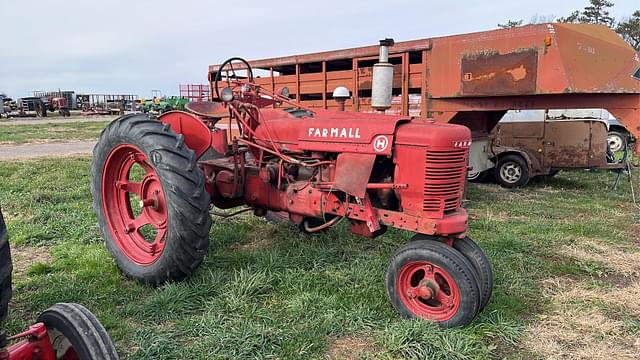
(564, 253)
(18, 134)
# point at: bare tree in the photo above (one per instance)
(573, 18)
(510, 24)
(541, 19)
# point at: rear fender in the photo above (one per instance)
(197, 135)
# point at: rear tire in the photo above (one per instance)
(180, 210)
(74, 330)
(512, 171)
(428, 279)
(6, 268)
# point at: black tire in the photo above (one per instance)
(182, 181)
(71, 327)
(451, 261)
(512, 171)
(477, 177)
(553, 173)
(617, 141)
(6, 268)
(40, 108)
(481, 264)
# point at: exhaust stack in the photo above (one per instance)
(382, 83)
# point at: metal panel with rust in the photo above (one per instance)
(353, 172)
(490, 74)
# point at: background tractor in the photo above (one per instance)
(161, 105)
(64, 331)
(154, 182)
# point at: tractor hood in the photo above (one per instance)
(328, 131)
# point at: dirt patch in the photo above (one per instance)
(254, 244)
(351, 348)
(569, 333)
(260, 237)
(635, 233)
(25, 256)
(34, 142)
(29, 151)
(587, 320)
(623, 260)
(617, 279)
(54, 120)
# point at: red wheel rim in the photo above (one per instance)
(428, 291)
(134, 204)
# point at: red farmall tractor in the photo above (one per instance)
(63, 332)
(154, 182)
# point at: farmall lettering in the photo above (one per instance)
(335, 133)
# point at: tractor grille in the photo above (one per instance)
(444, 176)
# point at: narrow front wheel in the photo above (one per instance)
(480, 262)
(430, 280)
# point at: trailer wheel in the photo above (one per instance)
(478, 259)
(427, 279)
(150, 200)
(512, 171)
(6, 267)
(75, 333)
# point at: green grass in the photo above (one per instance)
(19, 134)
(267, 291)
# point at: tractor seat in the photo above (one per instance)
(209, 109)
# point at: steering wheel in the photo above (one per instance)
(229, 63)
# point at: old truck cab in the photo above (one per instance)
(530, 143)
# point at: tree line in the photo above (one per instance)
(597, 12)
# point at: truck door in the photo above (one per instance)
(566, 143)
(598, 144)
(520, 129)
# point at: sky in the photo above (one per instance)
(136, 46)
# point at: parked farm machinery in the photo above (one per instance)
(155, 181)
(160, 105)
(65, 331)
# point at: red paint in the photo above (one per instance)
(428, 291)
(118, 192)
(416, 185)
(36, 345)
